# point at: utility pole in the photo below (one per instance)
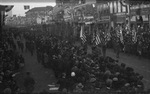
(128, 8)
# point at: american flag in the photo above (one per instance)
(82, 35)
(98, 40)
(103, 38)
(134, 39)
(93, 37)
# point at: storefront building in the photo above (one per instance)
(119, 12)
(85, 14)
(3, 9)
(103, 15)
(142, 10)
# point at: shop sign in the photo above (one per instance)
(142, 11)
(104, 18)
(120, 14)
(142, 6)
(84, 12)
(103, 9)
(120, 19)
(88, 18)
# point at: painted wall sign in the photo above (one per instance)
(84, 12)
(103, 9)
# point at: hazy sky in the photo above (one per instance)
(23, 1)
(18, 8)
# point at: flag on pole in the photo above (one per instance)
(82, 35)
(26, 7)
(98, 40)
(121, 36)
(103, 38)
(93, 37)
(134, 39)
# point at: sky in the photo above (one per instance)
(26, 1)
(18, 8)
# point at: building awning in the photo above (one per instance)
(6, 7)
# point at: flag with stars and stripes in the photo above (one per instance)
(97, 40)
(82, 35)
(94, 37)
(134, 39)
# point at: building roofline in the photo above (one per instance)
(40, 9)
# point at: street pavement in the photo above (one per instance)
(42, 76)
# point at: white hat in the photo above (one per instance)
(73, 74)
(127, 84)
(115, 79)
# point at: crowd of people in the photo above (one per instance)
(75, 68)
(79, 71)
(11, 62)
(134, 41)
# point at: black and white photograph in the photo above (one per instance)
(74, 46)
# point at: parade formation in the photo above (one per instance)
(74, 46)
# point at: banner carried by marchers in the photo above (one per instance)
(82, 35)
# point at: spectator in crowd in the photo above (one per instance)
(78, 71)
(9, 65)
